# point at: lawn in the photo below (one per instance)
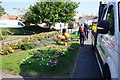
(15, 63)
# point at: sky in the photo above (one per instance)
(85, 7)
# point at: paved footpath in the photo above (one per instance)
(86, 65)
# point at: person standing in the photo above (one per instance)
(81, 33)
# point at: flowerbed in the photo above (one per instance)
(52, 60)
(26, 43)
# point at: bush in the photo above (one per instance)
(6, 32)
(27, 46)
(26, 39)
(28, 42)
(19, 44)
(7, 50)
(14, 45)
(1, 52)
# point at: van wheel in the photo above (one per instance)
(106, 73)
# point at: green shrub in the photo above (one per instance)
(28, 42)
(6, 32)
(1, 52)
(26, 39)
(7, 50)
(36, 37)
(19, 44)
(27, 46)
(11, 50)
(14, 45)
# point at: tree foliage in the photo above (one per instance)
(51, 12)
(2, 10)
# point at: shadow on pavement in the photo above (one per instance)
(86, 65)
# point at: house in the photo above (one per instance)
(11, 17)
(86, 19)
(20, 17)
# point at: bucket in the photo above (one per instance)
(75, 32)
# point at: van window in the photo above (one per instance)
(20, 24)
(110, 17)
(103, 15)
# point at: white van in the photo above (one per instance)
(11, 24)
(108, 40)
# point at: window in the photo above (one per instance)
(20, 24)
(104, 11)
(110, 17)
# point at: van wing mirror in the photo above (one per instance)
(103, 26)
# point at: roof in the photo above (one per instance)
(95, 17)
(80, 18)
(12, 17)
(89, 17)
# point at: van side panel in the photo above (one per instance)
(119, 55)
(10, 24)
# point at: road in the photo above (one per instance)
(86, 65)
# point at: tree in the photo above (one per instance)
(51, 12)
(2, 10)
